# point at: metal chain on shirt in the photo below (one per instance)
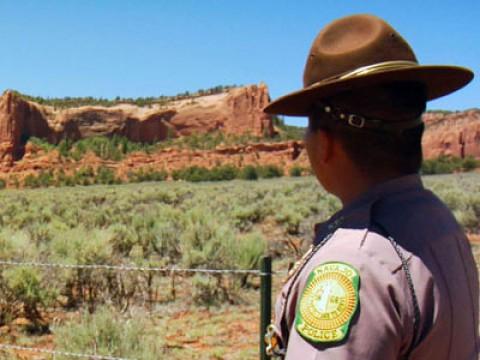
(293, 277)
(413, 294)
(416, 308)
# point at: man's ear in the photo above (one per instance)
(327, 145)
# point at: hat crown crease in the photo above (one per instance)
(351, 43)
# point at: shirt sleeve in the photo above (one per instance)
(379, 327)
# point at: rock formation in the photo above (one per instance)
(283, 154)
(238, 111)
(455, 134)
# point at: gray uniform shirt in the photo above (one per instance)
(442, 269)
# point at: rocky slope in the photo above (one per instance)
(237, 111)
(456, 134)
(283, 154)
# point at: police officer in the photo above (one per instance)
(391, 275)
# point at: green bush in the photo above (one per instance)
(42, 143)
(448, 165)
(147, 174)
(108, 334)
(470, 163)
(220, 173)
(249, 250)
(197, 173)
(249, 172)
(26, 287)
(106, 176)
(84, 176)
(270, 171)
(192, 173)
(207, 290)
(3, 183)
(296, 171)
(43, 179)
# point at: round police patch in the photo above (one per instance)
(328, 303)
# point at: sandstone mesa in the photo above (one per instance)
(236, 111)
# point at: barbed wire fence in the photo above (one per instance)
(265, 273)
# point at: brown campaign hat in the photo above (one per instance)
(359, 51)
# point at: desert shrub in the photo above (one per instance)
(206, 241)
(45, 179)
(13, 179)
(106, 176)
(103, 147)
(225, 172)
(291, 217)
(83, 247)
(30, 181)
(197, 173)
(9, 306)
(147, 174)
(248, 253)
(123, 238)
(192, 173)
(106, 333)
(64, 147)
(16, 244)
(207, 291)
(467, 218)
(63, 179)
(168, 228)
(448, 165)
(26, 287)
(245, 216)
(84, 176)
(296, 171)
(3, 184)
(470, 163)
(269, 171)
(441, 165)
(41, 143)
(249, 172)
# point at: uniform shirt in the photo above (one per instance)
(442, 270)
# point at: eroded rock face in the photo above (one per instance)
(238, 111)
(283, 154)
(455, 134)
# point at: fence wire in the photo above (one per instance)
(127, 268)
(121, 268)
(59, 353)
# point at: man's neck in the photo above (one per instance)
(356, 185)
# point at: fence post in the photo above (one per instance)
(265, 301)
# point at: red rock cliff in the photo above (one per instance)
(238, 111)
(456, 134)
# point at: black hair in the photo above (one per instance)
(376, 152)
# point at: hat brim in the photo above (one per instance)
(438, 80)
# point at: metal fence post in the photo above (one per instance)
(265, 301)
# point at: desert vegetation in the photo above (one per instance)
(215, 225)
(449, 164)
(117, 147)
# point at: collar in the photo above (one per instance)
(357, 213)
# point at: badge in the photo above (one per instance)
(328, 303)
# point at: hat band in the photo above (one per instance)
(369, 69)
(379, 67)
(362, 122)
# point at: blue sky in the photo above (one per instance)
(106, 48)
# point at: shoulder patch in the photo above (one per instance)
(328, 303)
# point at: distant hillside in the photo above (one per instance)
(236, 111)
